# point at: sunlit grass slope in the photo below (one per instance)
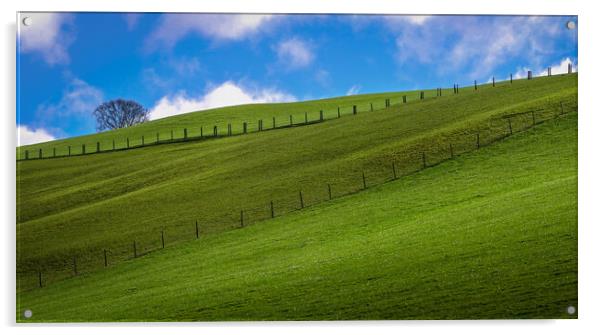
(79, 206)
(489, 234)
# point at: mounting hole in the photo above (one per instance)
(570, 25)
(571, 310)
(27, 21)
(27, 313)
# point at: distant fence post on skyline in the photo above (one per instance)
(529, 75)
(185, 133)
(404, 99)
(214, 131)
(244, 127)
(354, 109)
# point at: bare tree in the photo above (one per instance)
(119, 113)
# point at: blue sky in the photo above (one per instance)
(68, 63)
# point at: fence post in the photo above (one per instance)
(242, 223)
(549, 71)
(529, 75)
(364, 179)
(162, 240)
(321, 115)
(404, 99)
(561, 108)
(135, 252)
(421, 95)
(214, 131)
(106, 260)
(511, 78)
(475, 85)
(394, 171)
(338, 112)
(74, 266)
(478, 141)
(533, 117)
(244, 127)
(329, 192)
(272, 208)
(185, 133)
(570, 68)
(201, 132)
(510, 126)
(26, 154)
(354, 109)
(494, 81)
(423, 160)
(40, 153)
(68, 148)
(371, 108)
(196, 225)
(40, 278)
(301, 199)
(451, 151)
(229, 129)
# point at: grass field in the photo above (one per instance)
(489, 234)
(273, 114)
(79, 206)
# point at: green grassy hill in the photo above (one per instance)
(273, 114)
(80, 206)
(489, 234)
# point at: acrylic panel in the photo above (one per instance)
(246, 167)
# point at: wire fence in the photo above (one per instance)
(415, 157)
(200, 132)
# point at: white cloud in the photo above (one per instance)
(477, 43)
(75, 107)
(226, 94)
(295, 53)
(561, 68)
(26, 136)
(173, 27)
(353, 90)
(413, 19)
(46, 36)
